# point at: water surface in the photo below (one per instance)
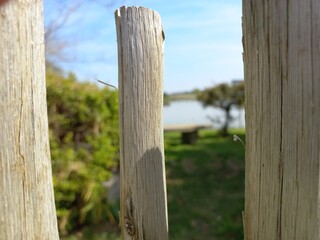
(192, 112)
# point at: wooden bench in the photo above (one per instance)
(189, 132)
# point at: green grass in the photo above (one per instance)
(205, 184)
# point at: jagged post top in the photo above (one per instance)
(127, 11)
(119, 12)
(143, 203)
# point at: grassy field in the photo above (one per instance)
(205, 185)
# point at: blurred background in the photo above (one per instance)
(203, 93)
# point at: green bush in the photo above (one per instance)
(83, 128)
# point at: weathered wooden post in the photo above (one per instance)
(282, 84)
(27, 209)
(143, 204)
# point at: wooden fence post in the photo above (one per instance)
(282, 84)
(27, 209)
(143, 213)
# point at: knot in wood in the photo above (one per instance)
(129, 225)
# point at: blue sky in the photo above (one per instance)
(202, 47)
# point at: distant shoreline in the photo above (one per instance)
(182, 96)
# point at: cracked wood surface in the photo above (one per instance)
(143, 204)
(27, 209)
(282, 83)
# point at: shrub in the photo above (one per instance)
(83, 129)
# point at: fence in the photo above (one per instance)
(281, 55)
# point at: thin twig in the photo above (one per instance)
(107, 84)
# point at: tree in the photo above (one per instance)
(223, 96)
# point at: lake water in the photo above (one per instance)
(192, 112)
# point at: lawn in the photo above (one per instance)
(205, 184)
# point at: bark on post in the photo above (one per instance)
(143, 192)
(282, 82)
(27, 209)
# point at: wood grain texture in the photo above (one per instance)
(27, 209)
(142, 174)
(282, 82)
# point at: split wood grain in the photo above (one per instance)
(282, 83)
(143, 203)
(27, 208)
